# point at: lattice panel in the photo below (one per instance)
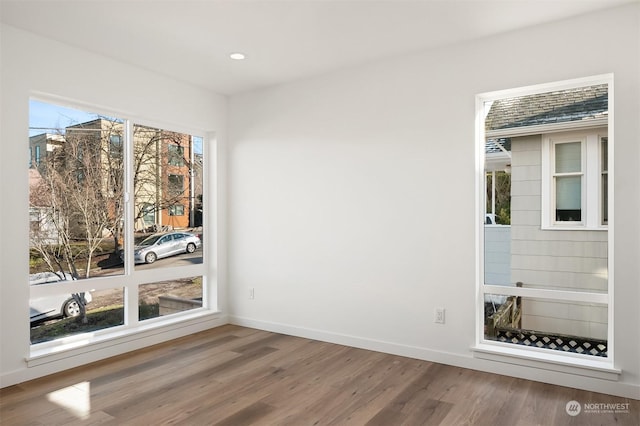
(558, 342)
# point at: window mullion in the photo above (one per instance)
(131, 290)
(573, 296)
(592, 184)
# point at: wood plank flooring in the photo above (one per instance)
(240, 376)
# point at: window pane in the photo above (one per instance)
(568, 198)
(176, 155)
(568, 158)
(549, 324)
(57, 316)
(76, 188)
(553, 179)
(170, 297)
(168, 197)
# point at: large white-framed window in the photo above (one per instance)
(91, 275)
(574, 180)
(553, 304)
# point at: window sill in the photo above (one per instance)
(573, 228)
(46, 352)
(542, 359)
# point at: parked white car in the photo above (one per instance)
(63, 305)
(158, 246)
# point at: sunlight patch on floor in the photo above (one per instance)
(76, 399)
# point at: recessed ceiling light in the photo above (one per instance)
(237, 56)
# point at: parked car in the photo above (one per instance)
(63, 305)
(158, 246)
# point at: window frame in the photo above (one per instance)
(172, 185)
(175, 155)
(131, 279)
(528, 356)
(591, 182)
(176, 210)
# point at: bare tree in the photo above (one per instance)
(83, 182)
(49, 196)
(161, 171)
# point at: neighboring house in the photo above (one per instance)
(41, 145)
(165, 193)
(558, 148)
(41, 225)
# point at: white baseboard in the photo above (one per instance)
(551, 376)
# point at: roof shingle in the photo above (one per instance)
(548, 108)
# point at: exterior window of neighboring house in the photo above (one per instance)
(567, 177)
(544, 279)
(148, 214)
(574, 188)
(176, 185)
(115, 146)
(176, 155)
(34, 220)
(94, 217)
(176, 210)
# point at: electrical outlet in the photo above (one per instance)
(438, 316)
(252, 293)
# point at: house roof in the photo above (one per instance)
(492, 146)
(560, 106)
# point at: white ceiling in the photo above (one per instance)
(283, 40)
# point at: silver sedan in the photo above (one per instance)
(158, 246)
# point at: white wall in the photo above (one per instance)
(351, 208)
(31, 64)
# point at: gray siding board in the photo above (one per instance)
(560, 280)
(582, 265)
(534, 233)
(559, 248)
(526, 187)
(525, 158)
(526, 172)
(525, 202)
(526, 217)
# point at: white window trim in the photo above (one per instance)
(591, 173)
(130, 281)
(487, 349)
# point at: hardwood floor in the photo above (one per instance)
(240, 376)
